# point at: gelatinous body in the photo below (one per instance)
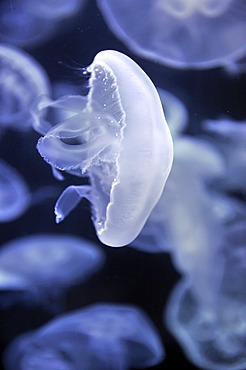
(230, 138)
(32, 23)
(98, 337)
(212, 339)
(119, 138)
(22, 80)
(14, 193)
(180, 33)
(50, 259)
(50, 264)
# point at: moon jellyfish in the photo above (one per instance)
(51, 263)
(20, 27)
(53, 9)
(31, 23)
(15, 289)
(14, 193)
(98, 337)
(230, 137)
(180, 33)
(212, 338)
(117, 137)
(22, 80)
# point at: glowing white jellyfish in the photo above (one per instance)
(22, 80)
(180, 33)
(119, 138)
(99, 337)
(14, 193)
(50, 263)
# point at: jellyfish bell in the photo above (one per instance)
(42, 257)
(14, 193)
(22, 80)
(98, 337)
(119, 138)
(51, 264)
(196, 34)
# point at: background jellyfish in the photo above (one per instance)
(31, 24)
(14, 193)
(214, 338)
(180, 34)
(230, 136)
(52, 263)
(101, 336)
(22, 80)
(99, 140)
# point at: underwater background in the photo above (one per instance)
(126, 275)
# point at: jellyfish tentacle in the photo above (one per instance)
(69, 199)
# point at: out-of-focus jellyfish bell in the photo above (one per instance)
(31, 23)
(52, 263)
(15, 289)
(98, 337)
(53, 9)
(119, 138)
(230, 138)
(20, 27)
(22, 80)
(14, 193)
(211, 338)
(180, 33)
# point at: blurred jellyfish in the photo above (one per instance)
(212, 338)
(14, 193)
(21, 28)
(98, 337)
(175, 112)
(51, 263)
(22, 80)
(53, 9)
(32, 23)
(118, 137)
(15, 289)
(230, 138)
(180, 33)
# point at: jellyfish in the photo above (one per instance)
(22, 80)
(117, 137)
(29, 24)
(102, 336)
(180, 33)
(51, 263)
(230, 136)
(54, 9)
(14, 193)
(211, 338)
(28, 30)
(15, 289)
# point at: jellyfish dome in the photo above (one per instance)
(212, 339)
(50, 260)
(99, 337)
(117, 137)
(14, 193)
(22, 80)
(180, 33)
